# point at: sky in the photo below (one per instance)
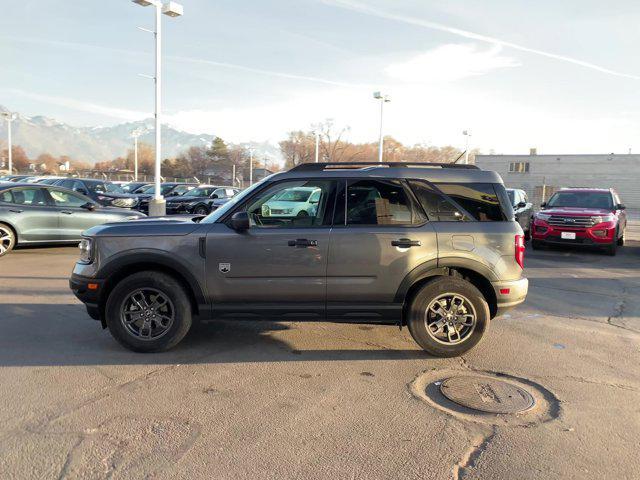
(563, 77)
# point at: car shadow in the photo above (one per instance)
(63, 335)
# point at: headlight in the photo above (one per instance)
(124, 202)
(603, 218)
(132, 217)
(543, 216)
(85, 250)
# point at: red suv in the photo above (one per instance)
(581, 216)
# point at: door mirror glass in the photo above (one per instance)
(543, 205)
(240, 221)
(621, 206)
(521, 205)
(89, 206)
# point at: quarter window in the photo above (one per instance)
(380, 202)
(437, 207)
(478, 199)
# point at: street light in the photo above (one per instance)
(157, 205)
(317, 145)
(467, 134)
(250, 166)
(135, 135)
(383, 99)
(9, 117)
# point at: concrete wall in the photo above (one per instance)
(621, 172)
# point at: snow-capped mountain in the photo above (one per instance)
(40, 134)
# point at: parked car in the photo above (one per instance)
(592, 217)
(108, 194)
(293, 202)
(522, 208)
(201, 200)
(39, 214)
(169, 189)
(435, 249)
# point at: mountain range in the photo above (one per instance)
(39, 134)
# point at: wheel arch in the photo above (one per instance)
(114, 271)
(13, 229)
(423, 274)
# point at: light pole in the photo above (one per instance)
(157, 205)
(9, 117)
(467, 134)
(383, 99)
(135, 136)
(317, 145)
(250, 166)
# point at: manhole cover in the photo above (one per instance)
(486, 394)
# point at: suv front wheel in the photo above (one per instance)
(148, 312)
(448, 316)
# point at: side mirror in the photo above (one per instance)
(240, 221)
(521, 205)
(89, 206)
(543, 205)
(621, 206)
(215, 195)
(82, 191)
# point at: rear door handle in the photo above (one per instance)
(66, 212)
(302, 243)
(405, 243)
(15, 210)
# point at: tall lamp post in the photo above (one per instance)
(9, 117)
(467, 134)
(135, 136)
(250, 166)
(317, 145)
(157, 205)
(383, 99)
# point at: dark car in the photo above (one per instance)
(39, 214)
(582, 217)
(522, 209)
(434, 249)
(14, 178)
(201, 200)
(105, 193)
(169, 189)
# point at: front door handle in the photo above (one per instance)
(405, 243)
(15, 210)
(66, 212)
(302, 243)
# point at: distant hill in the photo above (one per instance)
(95, 144)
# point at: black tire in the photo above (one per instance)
(7, 239)
(201, 210)
(621, 240)
(303, 213)
(536, 244)
(527, 235)
(612, 249)
(159, 282)
(429, 293)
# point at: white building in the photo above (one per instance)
(541, 175)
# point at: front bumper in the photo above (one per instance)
(88, 291)
(601, 234)
(510, 293)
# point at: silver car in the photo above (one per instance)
(434, 247)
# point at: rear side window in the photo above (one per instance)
(480, 200)
(379, 202)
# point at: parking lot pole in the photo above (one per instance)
(250, 167)
(9, 117)
(135, 158)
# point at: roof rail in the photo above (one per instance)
(355, 165)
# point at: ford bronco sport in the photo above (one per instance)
(434, 247)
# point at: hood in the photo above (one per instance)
(575, 211)
(147, 226)
(125, 212)
(283, 204)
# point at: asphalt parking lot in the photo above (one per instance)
(250, 400)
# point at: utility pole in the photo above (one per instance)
(383, 99)
(467, 134)
(317, 145)
(250, 166)
(9, 117)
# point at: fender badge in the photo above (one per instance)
(224, 267)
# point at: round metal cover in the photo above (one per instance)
(486, 394)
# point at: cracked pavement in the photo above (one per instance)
(248, 400)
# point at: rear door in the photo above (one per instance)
(280, 263)
(380, 235)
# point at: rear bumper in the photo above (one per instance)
(89, 295)
(510, 294)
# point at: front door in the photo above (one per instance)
(380, 236)
(278, 266)
(73, 219)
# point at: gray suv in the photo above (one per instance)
(433, 247)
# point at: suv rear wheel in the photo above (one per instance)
(448, 317)
(148, 312)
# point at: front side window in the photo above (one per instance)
(67, 199)
(289, 204)
(379, 202)
(24, 196)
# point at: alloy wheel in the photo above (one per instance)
(6, 240)
(450, 319)
(147, 314)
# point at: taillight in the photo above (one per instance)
(520, 250)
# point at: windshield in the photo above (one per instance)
(220, 212)
(199, 192)
(600, 200)
(151, 189)
(102, 187)
(293, 196)
(511, 196)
